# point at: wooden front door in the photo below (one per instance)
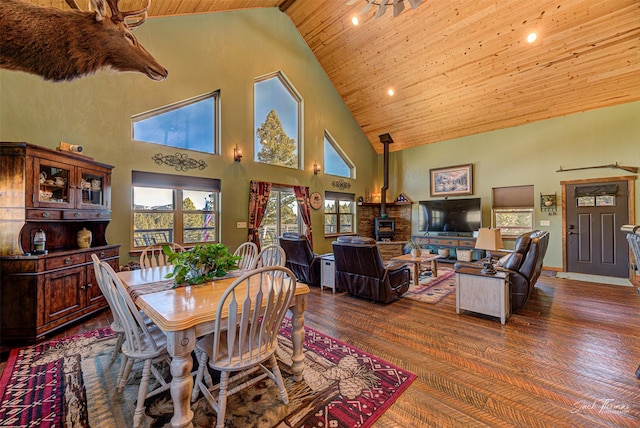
(595, 212)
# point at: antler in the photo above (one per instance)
(116, 15)
(98, 5)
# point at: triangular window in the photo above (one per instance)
(335, 161)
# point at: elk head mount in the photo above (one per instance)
(66, 44)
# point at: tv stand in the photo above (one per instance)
(452, 243)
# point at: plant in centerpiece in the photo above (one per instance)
(200, 264)
(412, 247)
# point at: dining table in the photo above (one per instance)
(185, 313)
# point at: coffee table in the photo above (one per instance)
(416, 261)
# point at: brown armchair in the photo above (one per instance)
(523, 265)
(301, 259)
(361, 271)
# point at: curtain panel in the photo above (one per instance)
(258, 198)
(302, 197)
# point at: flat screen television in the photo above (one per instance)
(450, 216)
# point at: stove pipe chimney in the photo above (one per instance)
(385, 139)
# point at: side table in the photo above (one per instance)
(483, 294)
(328, 272)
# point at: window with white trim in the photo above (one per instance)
(336, 161)
(339, 213)
(172, 208)
(190, 124)
(281, 216)
(277, 121)
(513, 210)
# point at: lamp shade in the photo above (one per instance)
(489, 239)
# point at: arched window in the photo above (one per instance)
(277, 119)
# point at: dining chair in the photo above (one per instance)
(271, 255)
(248, 251)
(154, 256)
(141, 343)
(116, 325)
(245, 336)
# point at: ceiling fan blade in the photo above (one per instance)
(383, 8)
(367, 8)
(398, 7)
(414, 3)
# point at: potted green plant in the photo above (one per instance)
(412, 247)
(200, 264)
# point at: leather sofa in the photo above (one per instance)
(361, 271)
(523, 265)
(301, 259)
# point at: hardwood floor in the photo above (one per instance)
(567, 360)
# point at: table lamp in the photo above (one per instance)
(488, 240)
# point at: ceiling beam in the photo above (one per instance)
(285, 4)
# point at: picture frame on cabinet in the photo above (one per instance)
(452, 180)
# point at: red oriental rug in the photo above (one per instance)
(69, 383)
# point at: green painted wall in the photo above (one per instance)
(225, 51)
(529, 154)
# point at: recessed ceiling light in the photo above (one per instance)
(390, 91)
(532, 37)
(354, 20)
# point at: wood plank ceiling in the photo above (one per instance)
(460, 67)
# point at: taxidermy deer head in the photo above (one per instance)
(64, 45)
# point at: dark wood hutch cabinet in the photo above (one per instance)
(59, 193)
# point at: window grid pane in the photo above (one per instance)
(194, 220)
(338, 216)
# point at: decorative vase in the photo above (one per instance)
(84, 238)
(416, 252)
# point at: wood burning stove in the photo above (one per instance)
(384, 228)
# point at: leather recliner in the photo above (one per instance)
(523, 277)
(361, 271)
(301, 259)
(523, 265)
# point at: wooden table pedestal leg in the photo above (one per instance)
(179, 345)
(297, 336)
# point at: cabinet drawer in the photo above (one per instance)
(86, 215)
(44, 215)
(449, 242)
(102, 254)
(70, 260)
(467, 243)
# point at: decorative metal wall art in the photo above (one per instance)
(341, 184)
(548, 203)
(181, 161)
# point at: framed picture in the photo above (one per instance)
(452, 181)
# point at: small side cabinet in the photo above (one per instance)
(328, 272)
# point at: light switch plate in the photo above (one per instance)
(545, 222)
(241, 225)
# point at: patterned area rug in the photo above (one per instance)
(69, 383)
(433, 290)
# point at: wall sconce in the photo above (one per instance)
(237, 154)
(316, 168)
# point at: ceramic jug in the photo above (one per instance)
(84, 238)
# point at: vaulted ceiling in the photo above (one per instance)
(459, 67)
